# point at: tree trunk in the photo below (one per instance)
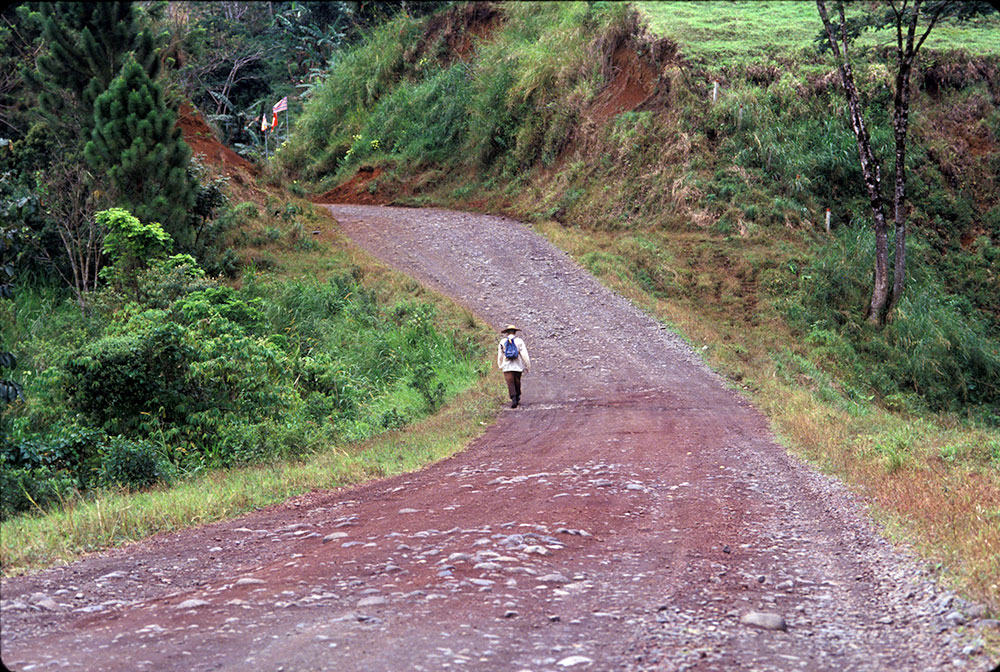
(869, 167)
(906, 53)
(900, 119)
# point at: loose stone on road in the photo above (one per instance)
(632, 514)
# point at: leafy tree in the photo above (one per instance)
(17, 51)
(136, 144)
(10, 390)
(904, 18)
(130, 244)
(86, 44)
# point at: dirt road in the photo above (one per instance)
(633, 514)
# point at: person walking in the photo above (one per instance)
(513, 360)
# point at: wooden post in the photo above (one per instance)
(739, 121)
(715, 91)
(828, 220)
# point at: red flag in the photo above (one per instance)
(274, 122)
(281, 105)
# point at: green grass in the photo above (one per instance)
(718, 33)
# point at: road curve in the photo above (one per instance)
(631, 515)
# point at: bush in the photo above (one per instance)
(132, 464)
(119, 379)
(71, 449)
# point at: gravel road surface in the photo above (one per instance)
(633, 514)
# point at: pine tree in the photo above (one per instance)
(85, 47)
(136, 144)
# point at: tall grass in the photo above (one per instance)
(418, 122)
(338, 108)
(935, 354)
(382, 102)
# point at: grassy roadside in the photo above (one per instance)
(932, 480)
(113, 519)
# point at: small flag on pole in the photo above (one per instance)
(274, 121)
(280, 106)
(263, 122)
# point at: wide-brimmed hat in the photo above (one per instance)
(509, 327)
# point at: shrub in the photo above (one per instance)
(131, 245)
(132, 464)
(71, 449)
(118, 379)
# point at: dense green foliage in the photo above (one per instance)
(768, 157)
(183, 372)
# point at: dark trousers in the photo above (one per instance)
(513, 379)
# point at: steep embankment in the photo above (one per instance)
(709, 212)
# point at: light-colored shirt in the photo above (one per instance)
(521, 363)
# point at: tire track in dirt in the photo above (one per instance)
(625, 517)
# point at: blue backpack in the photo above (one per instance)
(510, 350)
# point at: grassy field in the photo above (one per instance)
(720, 33)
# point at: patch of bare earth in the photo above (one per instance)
(631, 515)
(361, 189)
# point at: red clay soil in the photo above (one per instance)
(633, 514)
(358, 189)
(454, 33)
(633, 82)
(199, 136)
